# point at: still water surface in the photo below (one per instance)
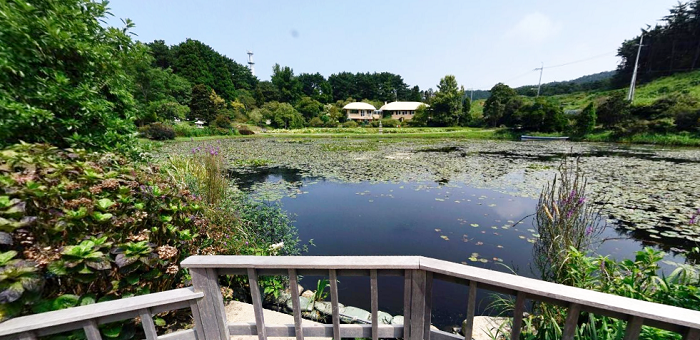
(452, 222)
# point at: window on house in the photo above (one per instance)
(353, 111)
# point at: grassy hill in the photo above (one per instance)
(688, 83)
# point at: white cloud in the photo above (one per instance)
(534, 27)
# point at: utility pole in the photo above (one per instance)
(630, 94)
(539, 84)
(471, 95)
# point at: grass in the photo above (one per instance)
(686, 83)
(675, 139)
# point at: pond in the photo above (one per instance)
(461, 201)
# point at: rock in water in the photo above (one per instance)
(308, 294)
(354, 314)
(397, 320)
(325, 308)
(305, 304)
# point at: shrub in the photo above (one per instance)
(245, 132)
(64, 78)
(316, 122)
(88, 227)
(222, 122)
(350, 124)
(390, 123)
(159, 131)
(585, 121)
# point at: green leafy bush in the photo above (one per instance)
(63, 78)
(187, 130)
(159, 131)
(350, 124)
(222, 122)
(79, 227)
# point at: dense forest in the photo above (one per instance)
(670, 47)
(153, 85)
(591, 82)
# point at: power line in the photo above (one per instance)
(582, 60)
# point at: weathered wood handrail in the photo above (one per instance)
(88, 317)
(419, 273)
(206, 301)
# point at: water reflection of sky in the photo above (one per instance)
(452, 222)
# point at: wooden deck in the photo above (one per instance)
(206, 302)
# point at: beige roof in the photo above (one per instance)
(359, 106)
(402, 106)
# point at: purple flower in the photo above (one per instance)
(571, 212)
(589, 230)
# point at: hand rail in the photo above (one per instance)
(419, 273)
(90, 316)
(206, 302)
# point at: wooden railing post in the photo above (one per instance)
(420, 306)
(210, 307)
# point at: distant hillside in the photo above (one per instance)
(478, 94)
(593, 77)
(680, 83)
(597, 81)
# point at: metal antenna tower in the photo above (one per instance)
(251, 64)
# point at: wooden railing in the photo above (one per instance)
(207, 306)
(88, 317)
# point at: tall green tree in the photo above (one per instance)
(446, 107)
(308, 107)
(542, 115)
(201, 64)
(465, 118)
(415, 95)
(316, 86)
(585, 120)
(288, 86)
(282, 115)
(495, 106)
(614, 110)
(63, 78)
(265, 92)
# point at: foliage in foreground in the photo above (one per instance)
(62, 75)
(567, 225)
(79, 227)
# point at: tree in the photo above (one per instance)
(282, 115)
(309, 108)
(162, 56)
(542, 115)
(316, 87)
(415, 95)
(585, 120)
(421, 117)
(465, 118)
(495, 106)
(64, 78)
(446, 107)
(265, 92)
(287, 84)
(614, 110)
(200, 104)
(200, 64)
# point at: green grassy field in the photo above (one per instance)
(686, 83)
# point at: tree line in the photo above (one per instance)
(670, 47)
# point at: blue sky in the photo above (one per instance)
(481, 43)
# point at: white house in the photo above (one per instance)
(361, 111)
(401, 110)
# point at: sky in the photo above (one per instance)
(480, 42)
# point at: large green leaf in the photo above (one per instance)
(7, 256)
